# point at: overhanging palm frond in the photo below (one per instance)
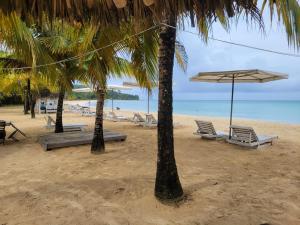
(289, 12)
(108, 12)
(181, 55)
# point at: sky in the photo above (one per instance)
(216, 56)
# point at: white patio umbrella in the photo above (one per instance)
(116, 88)
(131, 84)
(84, 90)
(109, 87)
(238, 76)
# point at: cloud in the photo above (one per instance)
(216, 56)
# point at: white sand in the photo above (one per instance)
(225, 184)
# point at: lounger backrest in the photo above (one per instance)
(205, 127)
(151, 118)
(138, 117)
(243, 134)
(49, 120)
(112, 114)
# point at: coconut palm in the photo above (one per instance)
(23, 51)
(61, 41)
(103, 64)
(111, 62)
(13, 82)
(201, 13)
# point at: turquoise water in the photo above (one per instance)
(278, 111)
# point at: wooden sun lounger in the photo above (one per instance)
(67, 127)
(150, 121)
(88, 113)
(137, 118)
(113, 117)
(206, 130)
(246, 137)
(53, 141)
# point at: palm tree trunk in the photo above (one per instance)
(98, 145)
(27, 97)
(32, 106)
(59, 123)
(167, 185)
(25, 100)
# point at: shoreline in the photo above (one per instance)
(85, 102)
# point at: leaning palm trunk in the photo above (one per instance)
(25, 101)
(98, 145)
(167, 186)
(32, 106)
(59, 123)
(27, 98)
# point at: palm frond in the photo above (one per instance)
(181, 55)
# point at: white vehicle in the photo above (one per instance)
(51, 106)
(47, 105)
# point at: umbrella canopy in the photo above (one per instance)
(131, 84)
(83, 90)
(109, 87)
(238, 76)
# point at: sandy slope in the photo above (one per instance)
(224, 184)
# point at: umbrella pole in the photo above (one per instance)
(148, 101)
(112, 103)
(231, 110)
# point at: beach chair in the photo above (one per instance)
(150, 121)
(113, 117)
(2, 131)
(67, 127)
(246, 137)
(137, 118)
(75, 108)
(206, 130)
(86, 112)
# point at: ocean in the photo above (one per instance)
(276, 111)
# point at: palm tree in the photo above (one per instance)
(13, 82)
(106, 63)
(202, 13)
(23, 50)
(61, 42)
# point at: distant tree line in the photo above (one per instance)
(11, 99)
(91, 96)
(15, 98)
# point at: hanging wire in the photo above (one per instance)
(238, 44)
(142, 32)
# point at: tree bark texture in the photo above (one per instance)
(98, 145)
(167, 185)
(59, 121)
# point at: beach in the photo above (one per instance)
(224, 184)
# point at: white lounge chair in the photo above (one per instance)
(87, 112)
(67, 127)
(150, 121)
(137, 118)
(75, 108)
(246, 137)
(113, 117)
(206, 130)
